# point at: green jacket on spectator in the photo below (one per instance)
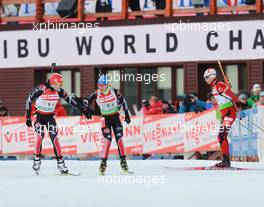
(252, 100)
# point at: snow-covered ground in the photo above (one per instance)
(151, 185)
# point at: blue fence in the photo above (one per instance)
(243, 135)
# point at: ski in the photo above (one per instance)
(208, 168)
(68, 174)
(127, 172)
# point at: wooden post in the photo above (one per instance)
(39, 11)
(81, 10)
(213, 7)
(169, 8)
(259, 6)
(125, 9)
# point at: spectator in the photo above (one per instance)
(30, 9)
(154, 106)
(149, 5)
(243, 101)
(103, 6)
(260, 102)
(135, 6)
(27, 10)
(3, 109)
(167, 107)
(60, 110)
(178, 102)
(146, 6)
(51, 8)
(9, 10)
(255, 95)
(251, 2)
(191, 103)
(160, 4)
(211, 102)
(198, 4)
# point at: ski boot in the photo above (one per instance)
(225, 162)
(102, 167)
(124, 166)
(36, 164)
(62, 167)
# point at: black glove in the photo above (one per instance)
(86, 113)
(29, 122)
(127, 117)
(88, 116)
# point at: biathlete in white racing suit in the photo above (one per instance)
(109, 100)
(227, 105)
(46, 96)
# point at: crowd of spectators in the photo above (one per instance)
(92, 6)
(191, 103)
(188, 103)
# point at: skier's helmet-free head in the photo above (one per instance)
(209, 75)
(256, 88)
(103, 82)
(56, 80)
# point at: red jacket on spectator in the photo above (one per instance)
(153, 108)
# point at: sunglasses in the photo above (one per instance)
(60, 84)
(206, 77)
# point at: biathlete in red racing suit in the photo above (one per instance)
(46, 96)
(226, 101)
(110, 101)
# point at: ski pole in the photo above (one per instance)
(92, 134)
(246, 127)
(257, 126)
(77, 123)
(226, 80)
(53, 65)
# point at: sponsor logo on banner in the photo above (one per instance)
(133, 133)
(162, 133)
(168, 133)
(17, 138)
(90, 141)
(201, 131)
